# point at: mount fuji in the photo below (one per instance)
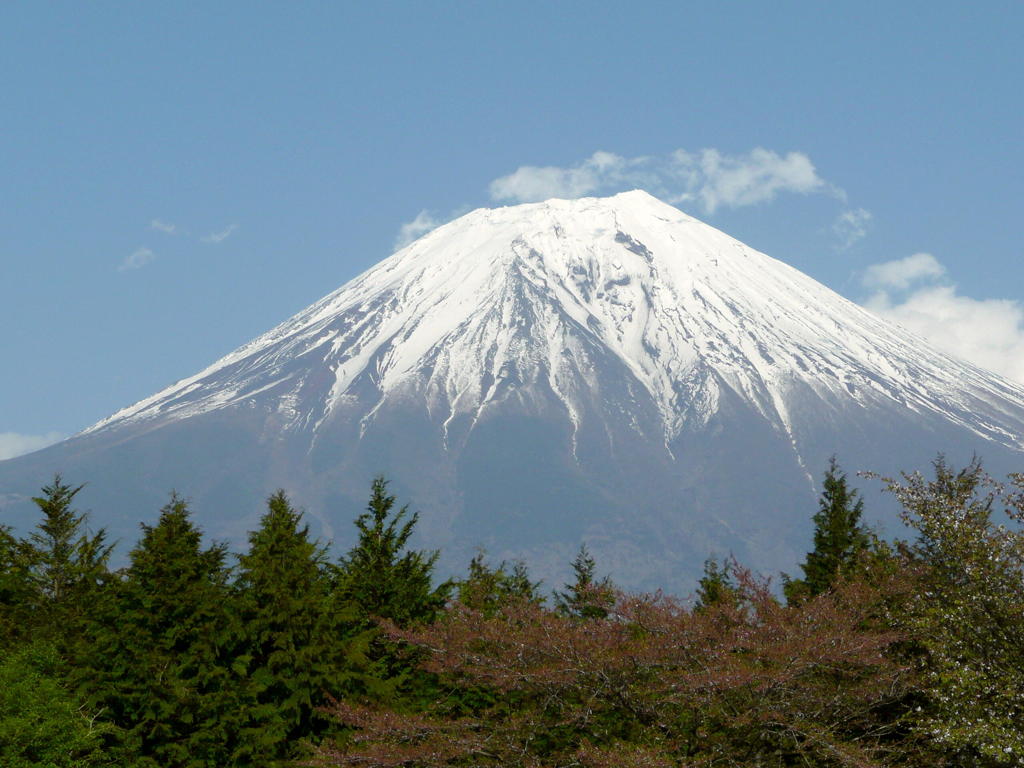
(602, 370)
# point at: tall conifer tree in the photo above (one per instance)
(839, 536)
(587, 597)
(65, 564)
(716, 586)
(297, 639)
(15, 589)
(161, 648)
(42, 724)
(380, 575)
(487, 589)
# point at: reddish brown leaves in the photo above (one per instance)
(653, 684)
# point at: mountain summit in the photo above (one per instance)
(603, 369)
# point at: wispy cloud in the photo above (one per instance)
(163, 226)
(737, 180)
(413, 230)
(916, 293)
(137, 259)
(15, 444)
(709, 178)
(900, 274)
(602, 171)
(851, 226)
(219, 237)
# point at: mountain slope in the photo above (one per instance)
(609, 369)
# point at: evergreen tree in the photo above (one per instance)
(297, 643)
(41, 721)
(487, 588)
(839, 536)
(15, 589)
(383, 578)
(587, 597)
(65, 564)
(160, 648)
(716, 586)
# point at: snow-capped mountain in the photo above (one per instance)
(609, 370)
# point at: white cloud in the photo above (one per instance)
(902, 273)
(709, 177)
(413, 230)
(986, 332)
(137, 259)
(162, 226)
(852, 226)
(219, 237)
(529, 183)
(756, 177)
(14, 444)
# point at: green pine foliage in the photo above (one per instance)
(15, 590)
(839, 537)
(160, 650)
(487, 588)
(299, 642)
(177, 660)
(716, 587)
(587, 597)
(386, 582)
(41, 721)
(65, 564)
(380, 575)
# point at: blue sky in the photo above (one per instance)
(179, 177)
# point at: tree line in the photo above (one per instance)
(879, 653)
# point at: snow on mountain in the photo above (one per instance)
(518, 288)
(603, 369)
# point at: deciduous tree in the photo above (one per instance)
(651, 684)
(966, 617)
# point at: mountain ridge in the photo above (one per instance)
(647, 376)
(632, 343)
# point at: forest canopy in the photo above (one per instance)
(878, 653)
